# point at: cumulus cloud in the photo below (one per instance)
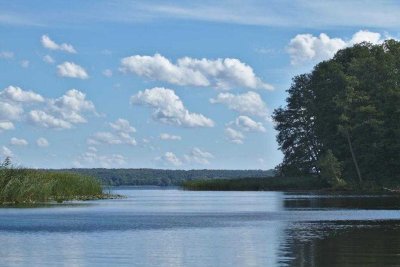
(50, 44)
(42, 142)
(12, 102)
(10, 111)
(248, 103)
(198, 156)
(122, 134)
(169, 108)
(220, 73)
(72, 70)
(6, 125)
(171, 159)
(43, 119)
(166, 136)
(18, 142)
(63, 112)
(92, 159)
(122, 125)
(59, 113)
(72, 105)
(16, 94)
(247, 124)
(234, 130)
(307, 47)
(195, 156)
(234, 136)
(48, 59)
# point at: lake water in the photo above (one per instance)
(171, 227)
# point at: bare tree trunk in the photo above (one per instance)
(353, 156)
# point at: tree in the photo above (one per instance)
(295, 126)
(349, 105)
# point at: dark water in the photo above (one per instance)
(180, 228)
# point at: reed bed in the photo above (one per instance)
(19, 185)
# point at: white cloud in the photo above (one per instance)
(123, 134)
(50, 44)
(10, 111)
(63, 112)
(122, 125)
(247, 103)
(71, 106)
(306, 47)
(172, 159)
(108, 73)
(43, 119)
(6, 152)
(16, 94)
(60, 113)
(166, 136)
(220, 73)
(18, 142)
(6, 125)
(25, 63)
(71, 70)
(169, 108)
(234, 129)
(234, 136)
(104, 137)
(199, 156)
(42, 142)
(12, 102)
(247, 124)
(6, 55)
(196, 156)
(93, 159)
(48, 59)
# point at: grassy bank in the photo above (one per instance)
(257, 184)
(32, 186)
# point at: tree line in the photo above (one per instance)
(342, 120)
(159, 177)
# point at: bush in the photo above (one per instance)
(330, 170)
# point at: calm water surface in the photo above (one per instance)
(156, 227)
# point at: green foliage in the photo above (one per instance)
(29, 186)
(162, 177)
(257, 184)
(351, 106)
(330, 170)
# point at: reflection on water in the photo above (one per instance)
(180, 228)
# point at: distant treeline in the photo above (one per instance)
(164, 177)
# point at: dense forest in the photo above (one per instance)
(163, 177)
(342, 120)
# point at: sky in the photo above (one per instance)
(163, 84)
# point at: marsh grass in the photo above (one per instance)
(19, 185)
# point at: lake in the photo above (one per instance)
(172, 227)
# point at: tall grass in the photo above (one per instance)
(18, 185)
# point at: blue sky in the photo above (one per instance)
(163, 84)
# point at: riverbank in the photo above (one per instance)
(285, 184)
(27, 186)
(257, 184)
